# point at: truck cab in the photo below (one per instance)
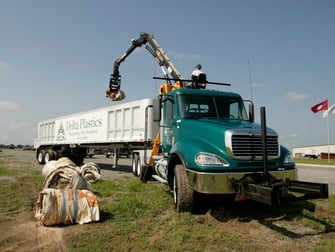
(209, 143)
(214, 137)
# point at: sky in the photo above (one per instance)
(56, 57)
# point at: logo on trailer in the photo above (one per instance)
(61, 133)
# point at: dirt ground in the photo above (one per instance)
(23, 233)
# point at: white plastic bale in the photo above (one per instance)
(91, 172)
(66, 178)
(52, 165)
(49, 167)
(61, 206)
(64, 174)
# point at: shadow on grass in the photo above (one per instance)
(105, 216)
(224, 208)
(120, 168)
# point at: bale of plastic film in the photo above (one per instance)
(53, 165)
(115, 95)
(65, 206)
(91, 172)
(66, 178)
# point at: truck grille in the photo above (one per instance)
(250, 146)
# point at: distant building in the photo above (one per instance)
(315, 151)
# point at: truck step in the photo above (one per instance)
(159, 179)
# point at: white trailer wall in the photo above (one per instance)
(120, 123)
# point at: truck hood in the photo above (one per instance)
(214, 136)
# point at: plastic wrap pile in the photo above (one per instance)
(66, 197)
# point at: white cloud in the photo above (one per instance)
(296, 97)
(8, 105)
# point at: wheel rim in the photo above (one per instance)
(47, 157)
(40, 157)
(138, 167)
(134, 166)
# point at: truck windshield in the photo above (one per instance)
(213, 107)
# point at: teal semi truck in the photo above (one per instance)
(208, 142)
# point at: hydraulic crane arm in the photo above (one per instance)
(114, 92)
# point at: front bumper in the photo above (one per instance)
(221, 183)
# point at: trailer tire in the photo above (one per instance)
(41, 156)
(136, 164)
(49, 155)
(183, 194)
(55, 155)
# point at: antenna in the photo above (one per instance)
(250, 81)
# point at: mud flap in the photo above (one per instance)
(146, 173)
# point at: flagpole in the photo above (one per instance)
(328, 138)
(320, 107)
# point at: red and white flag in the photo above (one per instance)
(320, 106)
(331, 109)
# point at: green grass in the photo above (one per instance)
(19, 186)
(137, 216)
(132, 199)
(315, 161)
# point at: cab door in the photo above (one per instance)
(167, 122)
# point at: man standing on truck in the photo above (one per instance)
(196, 71)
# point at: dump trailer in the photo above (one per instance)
(123, 126)
(208, 142)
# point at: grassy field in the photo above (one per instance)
(315, 161)
(140, 217)
(18, 186)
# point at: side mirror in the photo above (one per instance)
(157, 109)
(249, 106)
(251, 112)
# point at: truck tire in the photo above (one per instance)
(41, 156)
(182, 192)
(136, 164)
(55, 155)
(49, 155)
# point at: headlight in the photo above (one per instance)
(288, 159)
(210, 159)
